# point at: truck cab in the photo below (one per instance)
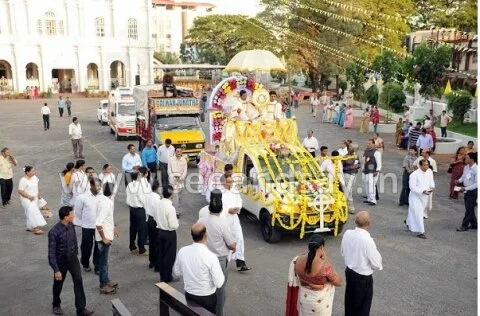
(122, 113)
(175, 118)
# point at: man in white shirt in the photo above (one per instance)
(75, 132)
(86, 206)
(343, 150)
(444, 120)
(244, 110)
(361, 259)
(130, 163)
(314, 102)
(326, 165)
(470, 188)
(151, 201)
(201, 271)
(424, 141)
(45, 110)
(177, 171)
(138, 219)
(274, 109)
(311, 143)
(421, 186)
(164, 153)
(220, 241)
(167, 223)
(106, 231)
(232, 204)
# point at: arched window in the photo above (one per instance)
(100, 27)
(132, 29)
(50, 24)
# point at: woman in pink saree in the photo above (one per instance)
(348, 117)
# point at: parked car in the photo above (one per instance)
(102, 116)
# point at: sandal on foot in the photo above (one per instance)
(422, 236)
(244, 268)
(38, 232)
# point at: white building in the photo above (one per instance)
(171, 20)
(72, 45)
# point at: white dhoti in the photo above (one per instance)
(369, 182)
(349, 179)
(32, 213)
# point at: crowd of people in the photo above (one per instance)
(154, 182)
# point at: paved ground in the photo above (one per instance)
(437, 276)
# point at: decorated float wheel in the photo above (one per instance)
(270, 233)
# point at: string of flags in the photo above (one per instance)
(343, 18)
(364, 11)
(333, 30)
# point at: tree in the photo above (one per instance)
(356, 78)
(371, 95)
(387, 65)
(167, 57)
(460, 14)
(392, 97)
(229, 34)
(459, 102)
(429, 65)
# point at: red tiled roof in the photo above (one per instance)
(183, 3)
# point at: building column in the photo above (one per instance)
(103, 72)
(112, 18)
(150, 66)
(79, 17)
(15, 70)
(27, 16)
(11, 8)
(131, 68)
(67, 24)
(81, 71)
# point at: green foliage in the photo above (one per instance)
(459, 103)
(387, 65)
(193, 54)
(460, 14)
(429, 65)
(229, 34)
(371, 95)
(392, 97)
(356, 77)
(166, 57)
(343, 85)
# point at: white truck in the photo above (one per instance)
(122, 113)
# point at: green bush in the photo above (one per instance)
(371, 95)
(459, 103)
(392, 97)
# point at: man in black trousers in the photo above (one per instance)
(470, 187)
(361, 258)
(62, 257)
(167, 223)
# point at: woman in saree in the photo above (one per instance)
(66, 187)
(336, 114)
(348, 117)
(456, 164)
(343, 109)
(317, 279)
(398, 131)
(365, 120)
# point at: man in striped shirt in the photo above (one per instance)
(413, 135)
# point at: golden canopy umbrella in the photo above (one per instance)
(255, 60)
(448, 88)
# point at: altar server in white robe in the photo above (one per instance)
(273, 109)
(421, 186)
(232, 204)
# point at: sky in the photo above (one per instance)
(246, 7)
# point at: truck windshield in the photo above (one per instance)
(176, 122)
(126, 109)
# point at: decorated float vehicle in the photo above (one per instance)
(281, 184)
